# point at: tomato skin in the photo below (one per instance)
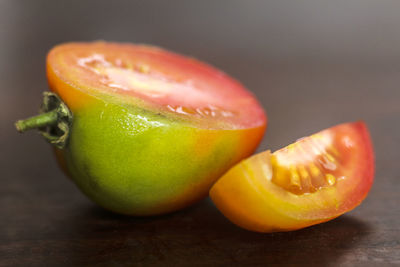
(247, 196)
(135, 159)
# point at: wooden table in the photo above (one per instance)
(305, 86)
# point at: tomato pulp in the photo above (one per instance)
(152, 130)
(311, 181)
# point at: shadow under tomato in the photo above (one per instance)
(202, 236)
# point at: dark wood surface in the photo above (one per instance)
(311, 65)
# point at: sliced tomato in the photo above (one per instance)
(310, 181)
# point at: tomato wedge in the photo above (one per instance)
(308, 182)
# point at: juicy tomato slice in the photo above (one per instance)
(159, 80)
(310, 181)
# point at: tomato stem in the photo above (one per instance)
(38, 121)
(53, 123)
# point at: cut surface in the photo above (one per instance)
(318, 161)
(159, 80)
(309, 164)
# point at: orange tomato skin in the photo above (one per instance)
(248, 198)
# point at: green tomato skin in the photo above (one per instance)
(137, 162)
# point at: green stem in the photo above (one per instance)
(53, 123)
(38, 121)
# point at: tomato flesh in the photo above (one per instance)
(160, 80)
(313, 180)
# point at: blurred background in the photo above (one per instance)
(312, 64)
(342, 54)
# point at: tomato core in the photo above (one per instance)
(308, 165)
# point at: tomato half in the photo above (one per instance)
(310, 181)
(152, 130)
